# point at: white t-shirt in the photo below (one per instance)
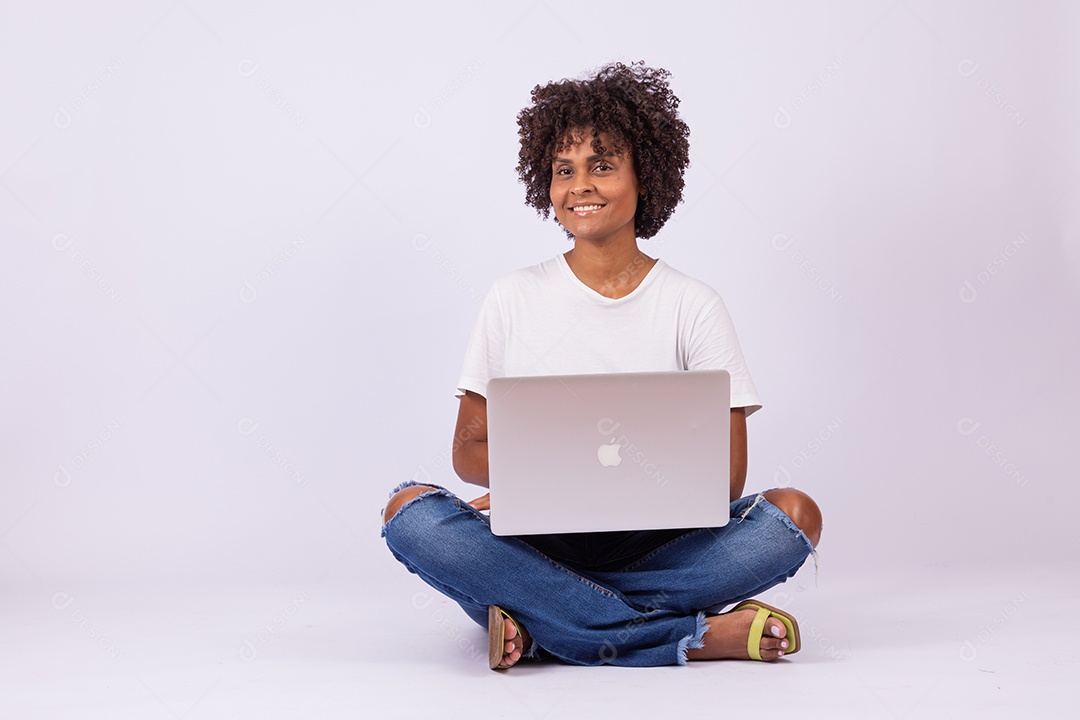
(542, 320)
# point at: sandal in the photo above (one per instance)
(497, 637)
(757, 627)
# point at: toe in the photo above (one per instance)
(514, 647)
(511, 656)
(773, 648)
(774, 644)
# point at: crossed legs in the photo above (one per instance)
(724, 635)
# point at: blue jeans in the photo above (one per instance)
(635, 598)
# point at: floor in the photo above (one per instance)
(923, 644)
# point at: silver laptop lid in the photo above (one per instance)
(616, 451)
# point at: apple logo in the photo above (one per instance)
(608, 455)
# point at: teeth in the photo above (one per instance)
(585, 208)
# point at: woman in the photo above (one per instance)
(607, 155)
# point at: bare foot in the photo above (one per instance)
(514, 644)
(727, 634)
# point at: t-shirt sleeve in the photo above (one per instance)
(486, 353)
(713, 345)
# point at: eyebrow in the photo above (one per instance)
(568, 161)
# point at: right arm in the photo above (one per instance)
(469, 451)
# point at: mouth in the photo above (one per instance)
(584, 209)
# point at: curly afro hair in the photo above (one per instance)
(635, 106)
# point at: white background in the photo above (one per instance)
(246, 243)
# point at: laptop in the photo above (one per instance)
(609, 451)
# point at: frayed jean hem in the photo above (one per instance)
(695, 641)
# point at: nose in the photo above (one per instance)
(582, 184)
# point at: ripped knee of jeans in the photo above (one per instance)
(402, 504)
(759, 498)
(813, 553)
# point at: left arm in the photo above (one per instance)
(738, 452)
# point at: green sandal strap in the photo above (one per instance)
(757, 628)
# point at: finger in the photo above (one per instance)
(482, 503)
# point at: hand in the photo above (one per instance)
(481, 503)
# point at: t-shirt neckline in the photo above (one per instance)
(653, 271)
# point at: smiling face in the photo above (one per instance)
(594, 195)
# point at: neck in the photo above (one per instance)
(612, 269)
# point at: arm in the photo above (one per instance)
(469, 450)
(738, 452)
